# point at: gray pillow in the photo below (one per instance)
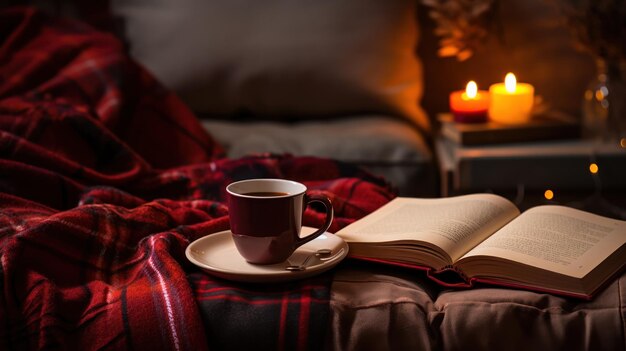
(385, 146)
(282, 58)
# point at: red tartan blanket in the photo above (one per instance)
(105, 178)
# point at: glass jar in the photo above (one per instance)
(604, 103)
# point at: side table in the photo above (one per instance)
(524, 172)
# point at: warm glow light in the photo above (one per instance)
(622, 142)
(471, 89)
(549, 194)
(599, 95)
(510, 82)
(593, 168)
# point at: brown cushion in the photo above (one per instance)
(279, 58)
(376, 307)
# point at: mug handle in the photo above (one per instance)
(329, 217)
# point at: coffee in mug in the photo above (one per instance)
(266, 218)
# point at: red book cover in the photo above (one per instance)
(442, 278)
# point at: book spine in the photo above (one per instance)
(449, 276)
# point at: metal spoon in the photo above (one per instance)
(302, 266)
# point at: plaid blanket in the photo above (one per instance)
(105, 178)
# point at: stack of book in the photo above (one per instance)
(546, 127)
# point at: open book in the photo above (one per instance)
(484, 238)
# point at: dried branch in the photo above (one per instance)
(599, 26)
(462, 25)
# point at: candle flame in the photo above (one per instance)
(510, 82)
(471, 89)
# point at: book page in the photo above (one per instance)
(454, 224)
(556, 238)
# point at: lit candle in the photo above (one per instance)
(469, 106)
(511, 102)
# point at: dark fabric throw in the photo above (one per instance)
(105, 178)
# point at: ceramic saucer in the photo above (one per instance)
(216, 254)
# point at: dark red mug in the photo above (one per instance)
(266, 218)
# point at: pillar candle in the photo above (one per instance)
(469, 106)
(511, 102)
